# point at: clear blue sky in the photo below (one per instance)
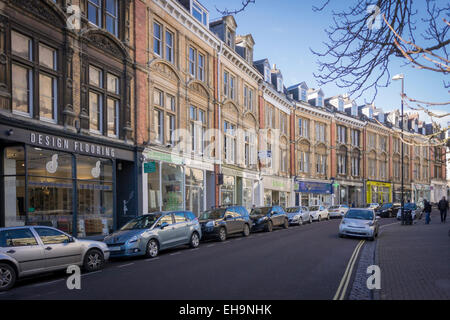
(284, 32)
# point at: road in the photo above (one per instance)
(305, 262)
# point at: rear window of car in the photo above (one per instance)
(17, 238)
(190, 216)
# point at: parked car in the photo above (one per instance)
(32, 250)
(338, 211)
(298, 215)
(265, 218)
(319, 213)
(149, 234)
(416, 212)
(373, 205)
(361, 223)
(219, 223)
(388, 210)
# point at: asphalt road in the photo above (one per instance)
(305, 262)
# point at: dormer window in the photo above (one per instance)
(199, 13)
(354, 111)
(341, 105)
(280, 84)
(319, 101)
(267, 74)
(304, 98)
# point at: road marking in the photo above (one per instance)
(238, 239)
(195, 249)
(340, 293)
(387, 225)
(87, 274)
(152, 259)
(47, 283)
(125, 265)
(210, 245)
(175, 253)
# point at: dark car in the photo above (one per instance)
(265, 218)
(387, 210)
(218, 223)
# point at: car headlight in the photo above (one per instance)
(133, 239)
(370, 223)
(210, 224)
(262, 219)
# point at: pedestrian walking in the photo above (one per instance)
(443, 208)
(427, 210)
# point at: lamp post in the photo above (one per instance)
(395, 78)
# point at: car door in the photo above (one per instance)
(241, 218)
(230, 219)
(305, 213)
(60, 250)
(181, 228)
(23, 246)
(167, 236)
(276, 218)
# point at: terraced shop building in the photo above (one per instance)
(67, 116)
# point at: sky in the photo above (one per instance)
(284, 32)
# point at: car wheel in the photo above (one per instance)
(310, 219)
(320, 218)
(286, 224)
(372, 238)
(341, 235)
(269, 226)
(222, 234)
(300, 221)
(195, 240)
(7, 277)
(246, 231)
(152, 249)
(93, 260)
(328, 217)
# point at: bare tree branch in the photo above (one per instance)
(226, 12)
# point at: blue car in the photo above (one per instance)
(148, 234)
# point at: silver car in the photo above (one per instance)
(148, 234)
(298, 215)
(361, 223)
(26, 251)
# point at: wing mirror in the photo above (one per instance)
(163, 225)
(228, 217)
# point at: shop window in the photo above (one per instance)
(154, 194)
(172, 187)
(14, 186)
(194, 190)
(227, 190)
(95, 196)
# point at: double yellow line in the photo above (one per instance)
(342, 289)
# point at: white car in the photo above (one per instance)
(319, 213)
(338, 211)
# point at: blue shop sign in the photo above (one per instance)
(314, 187)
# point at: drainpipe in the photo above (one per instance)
(219, 106)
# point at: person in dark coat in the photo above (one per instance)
(443, 208)
(427, 210)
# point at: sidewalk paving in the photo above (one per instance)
(415, 261)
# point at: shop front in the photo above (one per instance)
(239, 188)
(173, 183)
(397, 193)
(313, 193)
(420, 192)
(277, 191)
(81, 187)
(349, 193)
(438, 190)
(378, 192)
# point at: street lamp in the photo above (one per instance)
(395, 78)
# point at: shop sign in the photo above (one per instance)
(150, 167)
(314, 187)
(165, 157)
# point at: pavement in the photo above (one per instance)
(414, 261)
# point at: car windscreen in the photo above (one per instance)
(314, 209)
(213, 214)
(143, 222)
(359, 214)
(386, 206)
(293, 210)
(260, 211)
(334, 207)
